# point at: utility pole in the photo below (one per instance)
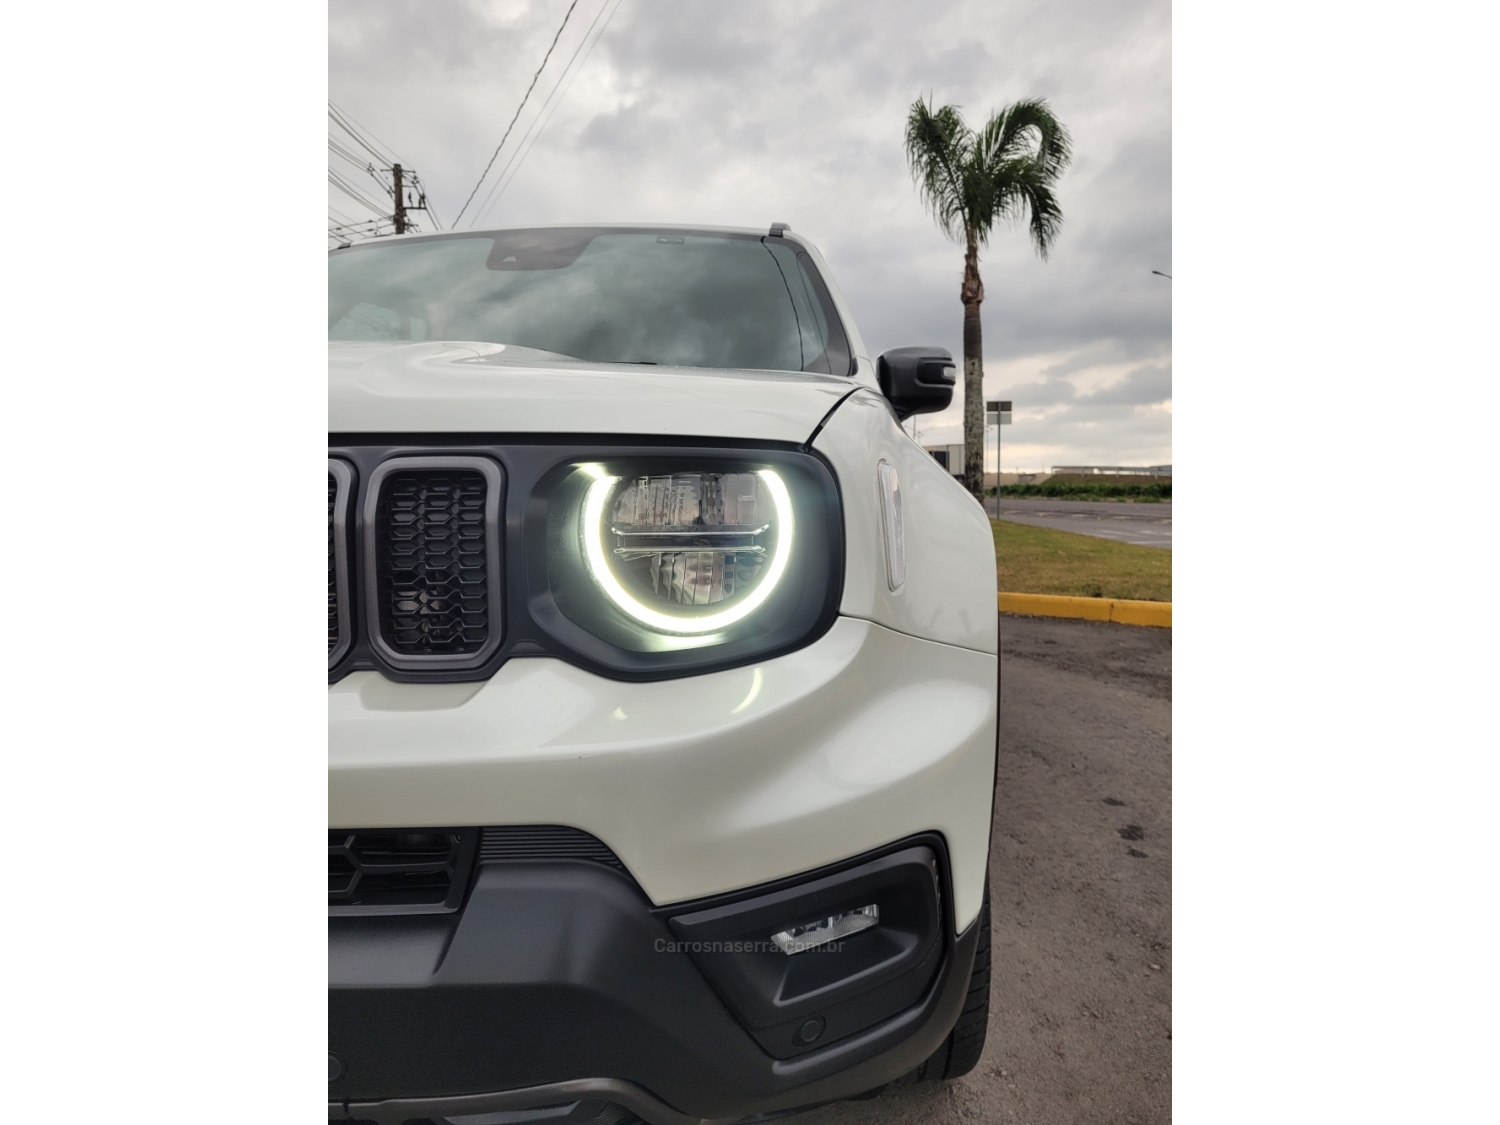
(399, 218)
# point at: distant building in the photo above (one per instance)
(1112, 471)
(950, 457)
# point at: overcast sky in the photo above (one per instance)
(690, 111)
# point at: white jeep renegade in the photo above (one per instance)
(662, 687)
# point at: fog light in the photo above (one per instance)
(797, 939)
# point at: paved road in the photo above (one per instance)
(1149, 525)
(1080, 874)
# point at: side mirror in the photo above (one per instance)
(917, 380)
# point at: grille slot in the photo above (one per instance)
(427, 870)
(434, 583)
(405, 871)
(340, 480)
(544, 841)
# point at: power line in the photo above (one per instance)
(406, 190)
(353, 159)
(346, 233)
(421, 189)
(501, 184)
(348, 117)
(491, 196)
(370, 143)
(357, 139)
(520, 107)
(352, 192)
(337, 181)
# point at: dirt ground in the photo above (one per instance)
(1080, 875)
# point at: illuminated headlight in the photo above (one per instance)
(687, 553)
(677, 561)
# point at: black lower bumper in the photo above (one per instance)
(559, 983)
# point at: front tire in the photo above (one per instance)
(960, 1052)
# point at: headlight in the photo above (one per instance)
(689, 553)
(664, 558)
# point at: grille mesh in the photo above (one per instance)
(333, 588)
(397, 869)
(433, 593)
(544, 841)
(427, 870)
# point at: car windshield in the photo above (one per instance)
(597, 295)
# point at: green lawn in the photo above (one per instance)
(1038, 560)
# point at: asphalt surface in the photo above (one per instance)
(1080, 877)
(1149, 525)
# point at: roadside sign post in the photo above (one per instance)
(997, 414)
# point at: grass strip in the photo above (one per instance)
(1038, 560)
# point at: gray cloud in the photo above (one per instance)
(758, 111)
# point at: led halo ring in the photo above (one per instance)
(593, 552)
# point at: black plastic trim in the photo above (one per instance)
(400, 1111)
(548, 975)
(932, 840)
(343, 476)
(807, 445)
(530, 465)
(846, 987)
(494, 479)
(459, 863)
(837, 347)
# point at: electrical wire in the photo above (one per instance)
(512, 125)
(501, 184)
(373, 145)
(337, 181)
(380, 158)
(363, 165)
(353, 193)
(490, 196)
(368, 132)
(370, 143)
(426, 203)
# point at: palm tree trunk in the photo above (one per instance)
(972, 294)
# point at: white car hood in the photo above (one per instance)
(489, 388)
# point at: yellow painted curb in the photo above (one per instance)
(1119, 610)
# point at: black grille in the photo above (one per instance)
(333, 585)
(544, 841)
(426, 870)
(398, 870)
(432, 560)
(340, 488)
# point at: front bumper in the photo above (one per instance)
(700, 785)
(560, 983)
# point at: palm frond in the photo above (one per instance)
(1018, 157)
(1026, 128)
(939, 148)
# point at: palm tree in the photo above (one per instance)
(970, 181)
